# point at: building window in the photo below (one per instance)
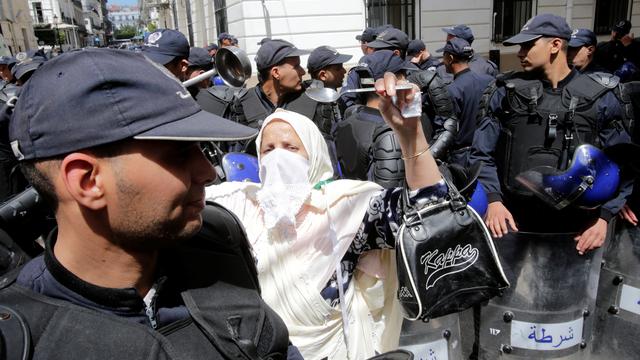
(509, 17)
(399, 13)
(37, 12)
(220, 7)
(608, 13)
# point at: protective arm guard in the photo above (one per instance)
(429, 82)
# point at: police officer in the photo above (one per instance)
(360, 138)
(582, 50)
(418, 54)
(390, 39)
(540, 113)
(280, 84)
(326, 64)
(368, 35)
(225, 39)
(169, 48)
(162, 294)
(465, 90)
(198, 62)
(477, 64)
(620, 48)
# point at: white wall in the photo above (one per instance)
(306, 23)
(436, 15)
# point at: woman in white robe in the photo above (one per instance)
(303, 227)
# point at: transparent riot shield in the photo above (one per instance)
(437, 339)
(617, 320)
(547, 311)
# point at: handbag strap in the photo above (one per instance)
(456, 200)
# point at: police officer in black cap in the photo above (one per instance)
(582, 51)
(368, 35)
(420, 56)
(544, 113)
(620, 48)
(169, 48)
(326, 64)
(388, 38)
(465, 90)
(280, 85)
(477, 63)
(198, 62)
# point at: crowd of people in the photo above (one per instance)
(300, 265)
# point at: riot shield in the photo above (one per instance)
(437, 339)
(617, 320)
(546, 313)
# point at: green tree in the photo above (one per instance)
(125, 32)
(151, 27)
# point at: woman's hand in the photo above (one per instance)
(420, 167)
(391, 112)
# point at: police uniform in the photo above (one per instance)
(525, 123)
(196, 308)
(466, 90)
(477, 64)
(612, 54)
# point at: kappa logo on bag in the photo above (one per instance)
(404, 293)
(447, 263)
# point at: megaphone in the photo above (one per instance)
(233, 66)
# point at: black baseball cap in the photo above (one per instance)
(383, 61)
(622, 27)
(224, 35)
(26, 63)
(272, 52)
(390, 38)
(461, 31)
(164, 45)
(200, 58)
(126, 96)
(211, 47)
(414, 47)
(458, 47)
(547, 25)
(324, 56)
(582, 37)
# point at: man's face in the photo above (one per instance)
(420, 57)
(535, 54)
(289, 74)
(226, 42)
(332, 76)
(157, 192)
(579, 56)
(447, 60)
(193, 72)
(449, 37)
(5, 73)
(213, 52)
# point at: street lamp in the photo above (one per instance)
(57, 35)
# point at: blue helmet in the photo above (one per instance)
(241, 167)
(591, 180)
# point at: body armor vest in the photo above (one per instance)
(542, 127)
(255, 112)
(387, 166)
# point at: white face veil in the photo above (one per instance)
(319, 161)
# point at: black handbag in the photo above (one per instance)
(446, 259)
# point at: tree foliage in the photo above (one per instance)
(125, 32)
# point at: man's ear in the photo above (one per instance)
(83, 180)
(322, 75)
(591, 49)
(275, 73)
(556, 45)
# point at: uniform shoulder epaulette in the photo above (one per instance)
(605, 79)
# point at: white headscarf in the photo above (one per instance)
(319, 161)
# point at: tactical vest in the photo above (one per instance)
(216, 100)
(353, 139)
(541, 127)
(255, 112)
(228, 319)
